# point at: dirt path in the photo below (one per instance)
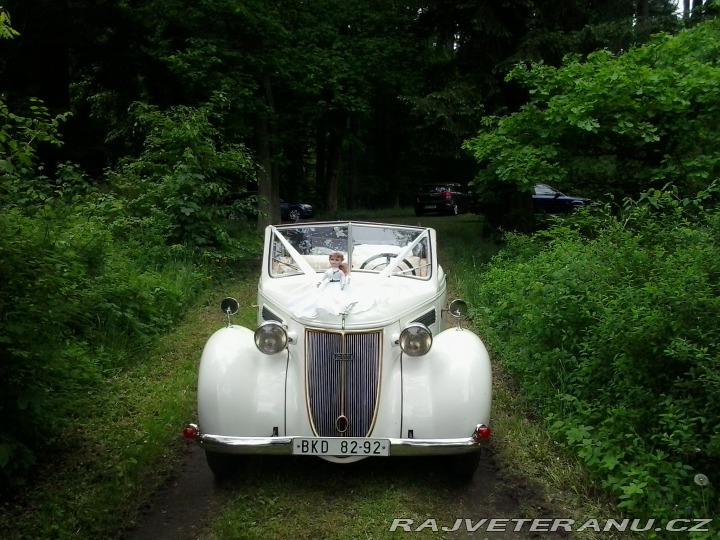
(192, 497)
(181, 508)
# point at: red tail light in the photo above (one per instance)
(482, 432)
(447, 195)
(190, 432)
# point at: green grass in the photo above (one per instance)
(298, 498)
(367, 214)
(519, 438)
(121, 451)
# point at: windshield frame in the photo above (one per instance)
(375, 248)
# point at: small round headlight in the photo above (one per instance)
(270, 337)
(415, 339)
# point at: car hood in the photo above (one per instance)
(367, 301)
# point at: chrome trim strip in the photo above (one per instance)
(283, 445)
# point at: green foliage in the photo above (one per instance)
(6, 31)
(175, 185)
(614, 338)
(613, 124)
(20, 136)
(89, 277)
(74, 307)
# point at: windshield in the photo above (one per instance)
(392, 250)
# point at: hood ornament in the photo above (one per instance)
(347, 311)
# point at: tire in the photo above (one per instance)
(454, 210)
(463, 466)
(294, 214)
(223, 466)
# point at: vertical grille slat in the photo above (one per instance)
(343, 378)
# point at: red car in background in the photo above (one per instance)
(442, 198)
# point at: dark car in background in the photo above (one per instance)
(551, 201)
(295, 211)
(442, 198)
(246, 204)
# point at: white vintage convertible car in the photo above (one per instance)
(366, 361)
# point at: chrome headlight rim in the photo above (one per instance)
(416, 339)
(270, 338)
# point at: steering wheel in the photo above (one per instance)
(382, 264)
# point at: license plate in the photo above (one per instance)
(341, 446)
(429, 206)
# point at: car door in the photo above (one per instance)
(545, 199)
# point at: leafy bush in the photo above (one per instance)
(176, 184)
(88, 276)
(615, 341)
(616, 124)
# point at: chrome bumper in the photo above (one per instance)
(283, 445)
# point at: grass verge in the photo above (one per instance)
(117, 454)
(520, 440)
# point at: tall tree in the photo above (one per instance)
(348, 61)
(615, 125)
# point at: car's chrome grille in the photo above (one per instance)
(343, 376)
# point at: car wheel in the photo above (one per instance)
(222, 465)
(454, 210)
(465, 465)
(294, 214)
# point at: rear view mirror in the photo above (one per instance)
(458, 309)
(229, 306)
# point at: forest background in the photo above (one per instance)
(130, 131)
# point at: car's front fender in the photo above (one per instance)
(449, 390)
(241, 391)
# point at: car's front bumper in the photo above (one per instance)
(284, 445)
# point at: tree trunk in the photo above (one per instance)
(268, 182)
(264, 176)
(320, 157)
(352, 173)
(338, 126)
(697, 9)
(333, 175)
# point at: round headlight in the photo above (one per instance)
(415, 339)
(270, 337)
